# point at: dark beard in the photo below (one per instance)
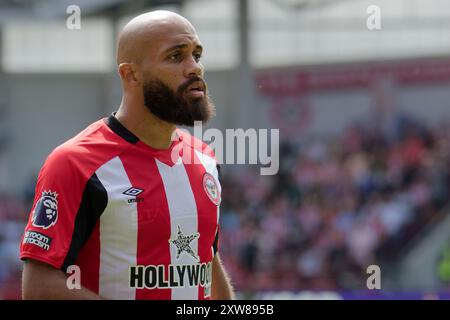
(172, 106)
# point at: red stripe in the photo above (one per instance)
(206, 211)
(89, 260)
(153, 216)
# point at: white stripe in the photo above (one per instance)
(210, 165)
(183, 213)
(118, 234)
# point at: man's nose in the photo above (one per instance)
(193, 68)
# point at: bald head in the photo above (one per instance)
(147, 30)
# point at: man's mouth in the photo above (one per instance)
(196, 94)
(196, 89)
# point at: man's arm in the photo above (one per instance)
(41, 281)
(221, 288)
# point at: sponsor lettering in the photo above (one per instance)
(37, 239)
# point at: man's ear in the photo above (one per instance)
(129, 74)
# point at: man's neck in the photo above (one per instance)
(148, 128)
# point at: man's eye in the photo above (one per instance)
(175, 57)
(197, 56)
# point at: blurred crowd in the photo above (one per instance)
(337, 206)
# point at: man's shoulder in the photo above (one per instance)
(91, 147)
(81, 142)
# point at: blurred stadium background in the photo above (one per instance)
(364, 119)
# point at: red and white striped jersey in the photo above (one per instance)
(140, 223)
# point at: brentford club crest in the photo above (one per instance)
(211, 188)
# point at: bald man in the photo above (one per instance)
(129, 208)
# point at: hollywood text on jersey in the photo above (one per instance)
(151, 276)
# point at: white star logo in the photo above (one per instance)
(183, 243)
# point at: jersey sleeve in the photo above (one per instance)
(61, 215)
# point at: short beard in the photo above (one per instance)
(172, 107)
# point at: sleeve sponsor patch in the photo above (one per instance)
(37, 239)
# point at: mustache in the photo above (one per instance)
(190, 81)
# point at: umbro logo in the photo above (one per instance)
(133, 192)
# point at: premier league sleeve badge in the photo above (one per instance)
(45, 212)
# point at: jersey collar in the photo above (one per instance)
(120, 130)
(165, 156)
